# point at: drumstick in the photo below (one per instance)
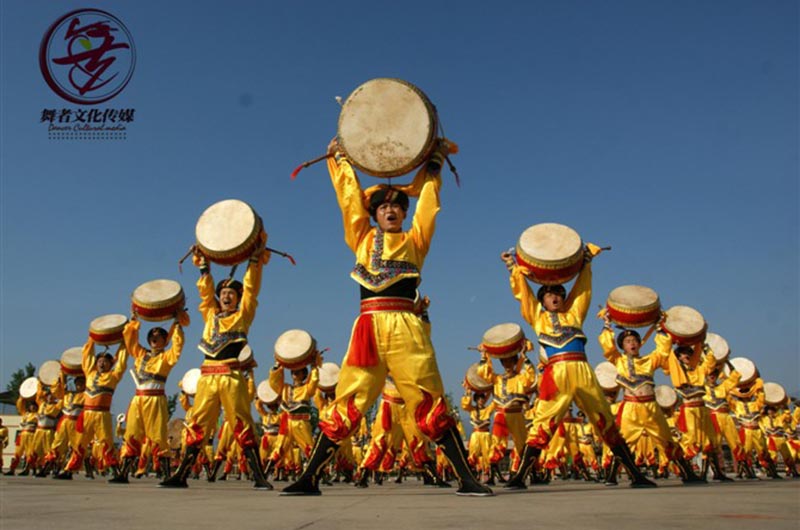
(308, 163)
(284, 254)
(184, 258)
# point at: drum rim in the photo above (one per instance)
(516, 338)
(772, 384)
(628, 309)
(111, 330)
(551, 264)
(673, 332)
(164, 304)
(241, 252)
(417, 161)
(304, 358)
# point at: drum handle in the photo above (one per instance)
(308, 163)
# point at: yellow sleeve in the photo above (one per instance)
(173, 355)
(208, 300)
(58, 387)
(276, 380)
(130, 335)
(529, 305)
(310, 388)
(252, 286)
(528, 374)
(424, 223)
(88, 360)
(731, 381)
(121, 363)
(351, 202)
(709, 362)
(662, 352)
(466, 402)
(21, 406)
(183, 398)
(486, 371)
(580, 297)
(608, 343)
(251, 388)
(318, 402)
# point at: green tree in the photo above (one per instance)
(172, 404)
(12, 387)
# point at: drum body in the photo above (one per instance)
(49, 372)
(266, 394)
(29, 387)
(551, 253)
(189, 381)
(774, 394)
(387, 127)
(607, 376)
(71, 361)
(503, 340)
(475, 382)
(295, 349)
(107, 329)
(633, 306)
(246, 359)
(746, 368)
(227, 232)
(685, 325)
(174, 433)
(328, 377)
(719, 347)
(158, 300)
(666, 397)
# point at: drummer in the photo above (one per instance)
(228, 312)
(26, 408)
(67, 435)
(640, 414)
(718, 388)
(103, 373)
(271, 422)
(147, 413)
(557, 319)
(388, 337)
(480, 441)
(49, 411)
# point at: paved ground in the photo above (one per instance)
(31, 504)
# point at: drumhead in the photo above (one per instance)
(504, 340)
(246, 359)
(328, 376)
(633, 298)
(189, 381)
(666, 397)
(294, 347)
(265, 393)
(29, 387)
(108, 324)
(227, 228)
(49, 372)
(476, 382)
(684, 321)
(719, 346)
(774, 394)
(175, 432)
(72, 358)
(387, 127)
(746, 368)
(157, 294)
(550, 244)
(606, 375)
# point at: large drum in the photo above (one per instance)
(607, 376)
(685, 325)
(328, 376)
(189, 381)
(551, 253)
(503, 340)
(246, 359)
(49, 372)
(387, 127)
(666, 397)
(774, 394)
(174, 433)
(71, 361)
(295, 349)
(266, 394)
(158, 300)
(746, 368)
(633, 306)
(28, 388)
(719, 347)
(227, 232)
(107, 329)
(475, 382)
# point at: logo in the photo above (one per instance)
(87, 56)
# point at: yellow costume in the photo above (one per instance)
(24, 439)
(67, 434)
(387, 434)
(270, 422)
(480, 441)
(716, 399)
(747, 405)
(296, 402)
(46, 419)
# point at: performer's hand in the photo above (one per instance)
(134, 313)
(508, 259)
(182, 317)
(333, 146)
(447, 147)
(198, 258)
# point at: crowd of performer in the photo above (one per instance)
(532, 421)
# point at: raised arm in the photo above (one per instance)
(130, 335)
(428, 205)
(88, 360)
(276, 379)
(355, 216)
(608, 343)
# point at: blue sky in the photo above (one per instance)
(668, 130)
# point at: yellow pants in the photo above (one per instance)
(587, 455)
(97, 428)
(405, 351)
(146, 418)
(228, 392)
(728, 431)
(66, 436)
(387, 438)
(577, 382)
(480, 450)
(697, 431)
(640, 419)
(753, 441)
(225, 442)
(24, 444)
(42, 442)
(268, 445)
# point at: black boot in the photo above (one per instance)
(688, 475)
(89, 468)
(430, 471)
(259, 481)
(44, 470)
(308, 482)
(363, 479)
(494, 470)
(638, 480)
(772, 471)
(165, 463)
(121, 474)
(212, 475)
(719, 474)
(611, 474)
(704, 469)
(64, 475)
(528, 461)
(399, 479)
(178, 479)
(453, 449)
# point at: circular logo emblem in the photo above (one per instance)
(87, 56)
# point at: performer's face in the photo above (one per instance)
(103, 364)
(390, 217)
(298, 376)
(80, 384)
(481, 400)
(510, 363)
(157, 342)
(631, 345)
(228, 299)
(553, 302)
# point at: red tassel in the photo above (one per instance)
(715, 422)
(363, 350)
(681, 423)
(548, 388)
(297, 170)
(618, 419)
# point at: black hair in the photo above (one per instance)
(390, 195)
(628, 333)
(230, 283)
(156, 332)
(555, 289)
